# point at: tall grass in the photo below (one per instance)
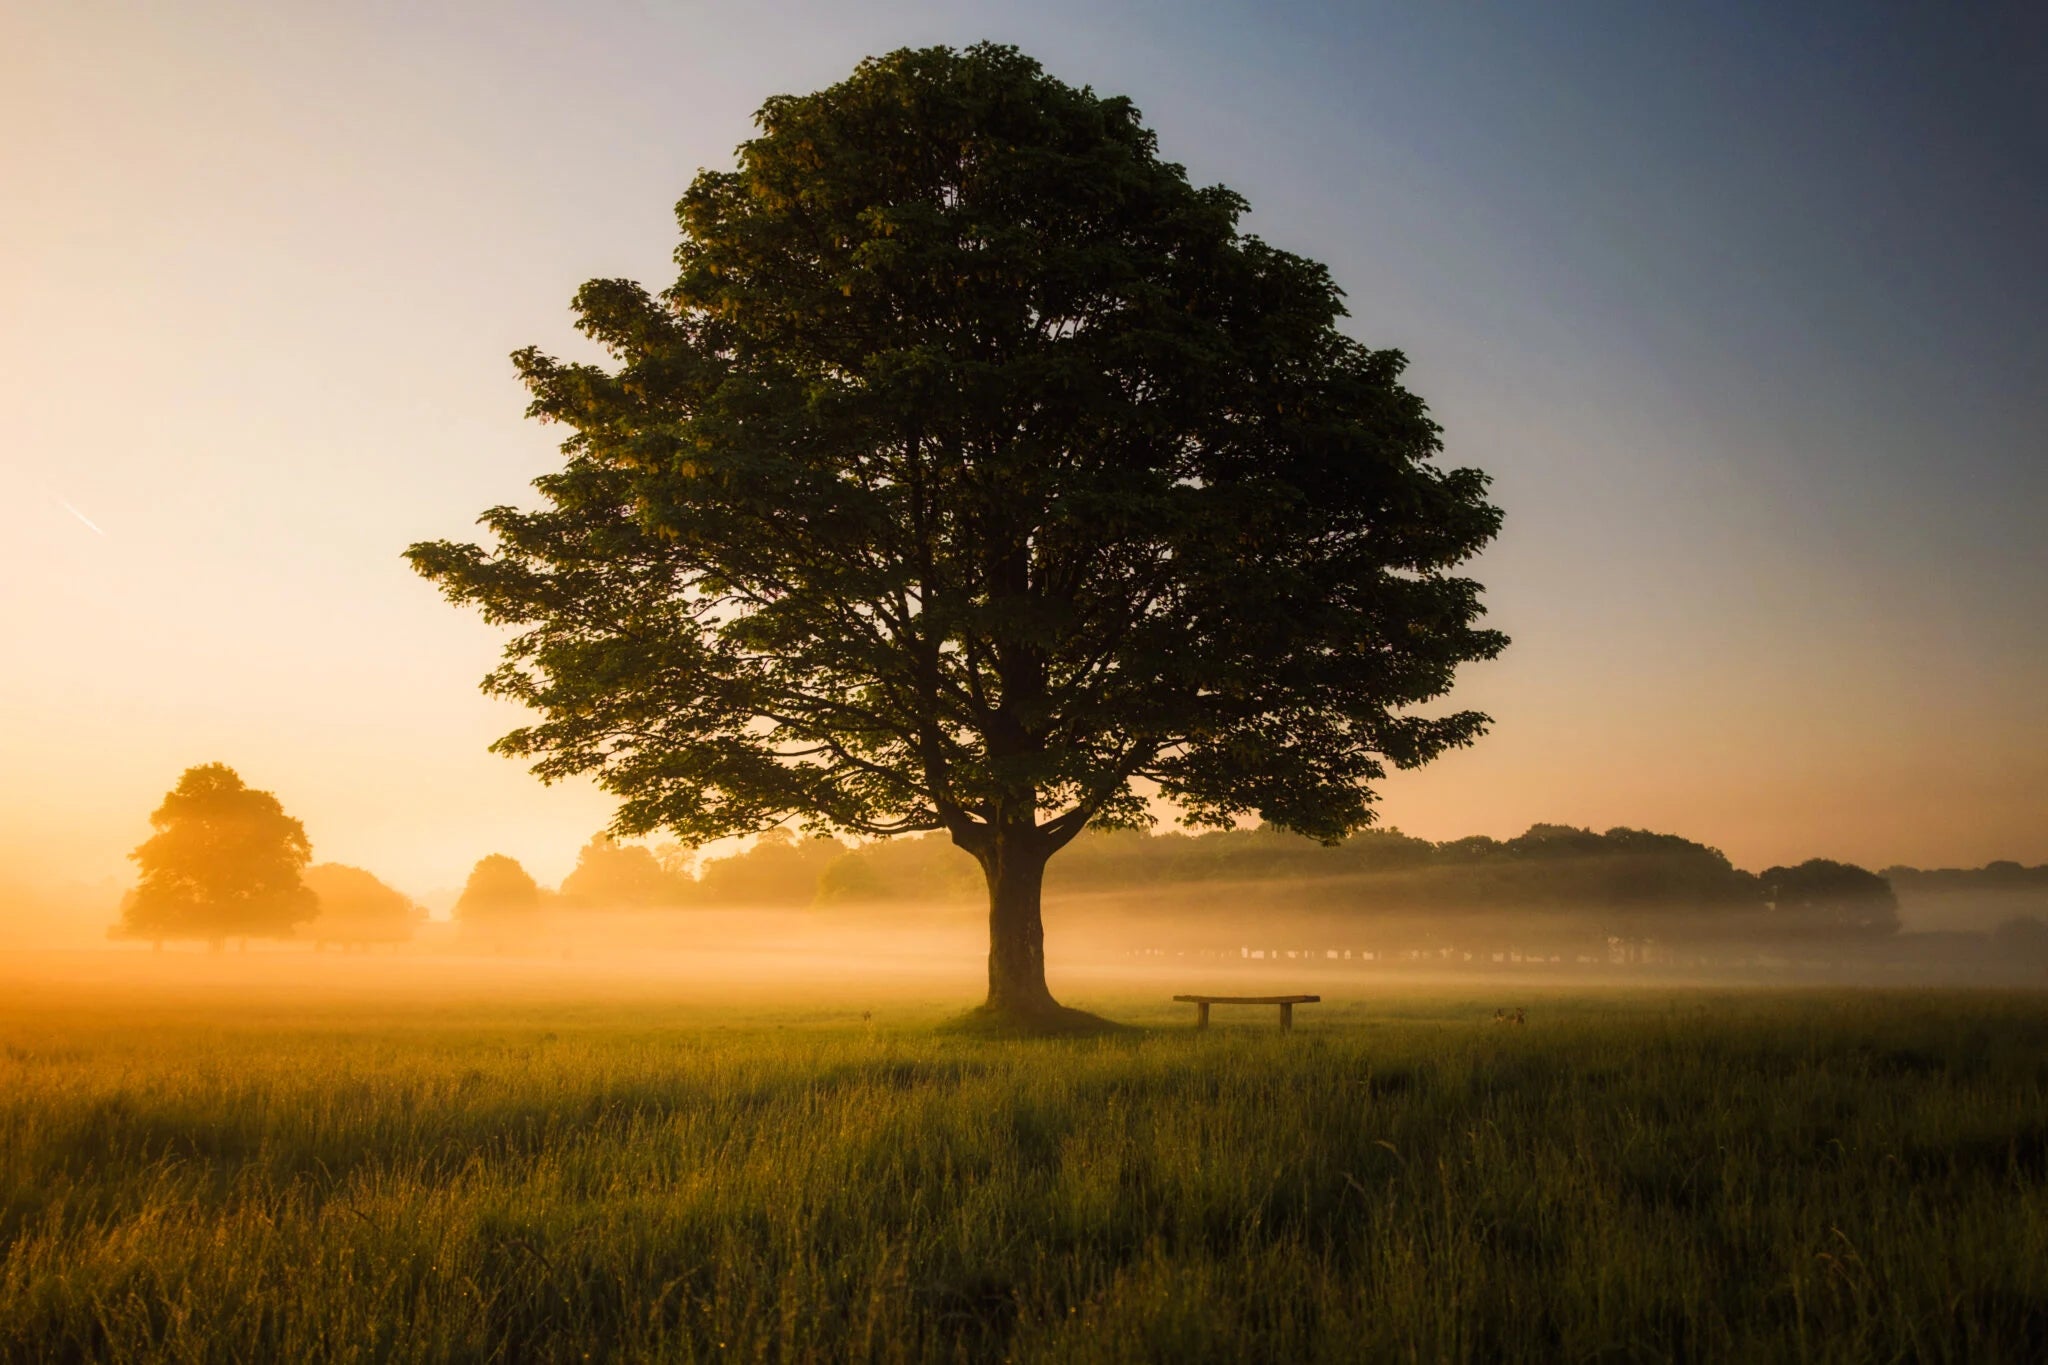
(1814, 1177)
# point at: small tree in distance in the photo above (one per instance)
(978, 474)
(358, 908)
(499, 892)
(225, 862)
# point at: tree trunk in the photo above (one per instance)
(1014, 864)
(1013, 858)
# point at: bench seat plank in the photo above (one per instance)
(1249, 999)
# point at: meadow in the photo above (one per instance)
(529, 1171)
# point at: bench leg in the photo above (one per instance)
(1287, 1018)
(1201, 1014)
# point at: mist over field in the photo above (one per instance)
(1262, 683)
(1556, 1094)
(790, 918)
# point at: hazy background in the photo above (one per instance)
(1741, 305)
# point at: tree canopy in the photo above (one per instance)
(497, 887)
(778, 869)
(978, 474)
(609, 873)
(225, 862)
(1827, 897)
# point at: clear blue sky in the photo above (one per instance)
(1743, 306)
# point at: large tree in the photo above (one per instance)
(225, 862)
(977, 473)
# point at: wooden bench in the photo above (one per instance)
(1285, 1002)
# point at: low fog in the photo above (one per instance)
(794, 921)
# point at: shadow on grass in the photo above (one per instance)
(985, 1021)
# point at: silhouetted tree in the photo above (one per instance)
(975, 467)
(609, 873)
(225, 862)
(355, 907)
(498, 890)
(2001, 875)
(1541, 841)
(1829, 898)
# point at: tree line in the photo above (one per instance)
(226, 861)
(1629, 873)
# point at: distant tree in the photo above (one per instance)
(1118, 858)
(780, 869)
(225, 862)
(1829, 898)
(355, 907)
(498, 889)
(609, 873)
(976, 468)
(1387, 850)
(2001, 875)
(1555, 841)
(1473, 848)
(677, 859)
(1638, 870)
(915, 868)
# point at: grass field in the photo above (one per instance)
(1687, 1175)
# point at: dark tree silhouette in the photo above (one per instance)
(225, 862)
(1824, 897)
(974, 470)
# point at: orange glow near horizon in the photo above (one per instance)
(260, 279)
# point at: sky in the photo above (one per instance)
(1742, 307)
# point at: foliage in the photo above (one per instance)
(355, 907)
(914, 868)
(1113, 859)
(1689, 1176)
(780, 869)
(1624, 883)
(2002, 875)
(1829, 897)
(1551, 867)
(225, 862)
(609, 873)
(975, 467)
(498, 888)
